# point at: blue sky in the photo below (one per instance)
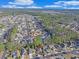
(53, 4)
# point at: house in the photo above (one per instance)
(76, 43)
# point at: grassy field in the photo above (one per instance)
(1, 47)
(2, 26)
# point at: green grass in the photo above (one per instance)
(1, 46)
(2, 26)
(37, 41)
(13, 33)
(10, 45)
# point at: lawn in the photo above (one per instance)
(13, 33)
(38, 41)
(2, 26)
(1, 46)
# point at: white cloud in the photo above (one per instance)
(34, 7)
(71, 7)
(19, 7)
(22, 2)
(15, 6)
(65, 3)
(8, 6)
(52, 6)
(11, 6)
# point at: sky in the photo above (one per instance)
(40, 4)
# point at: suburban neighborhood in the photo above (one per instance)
(38, 36)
